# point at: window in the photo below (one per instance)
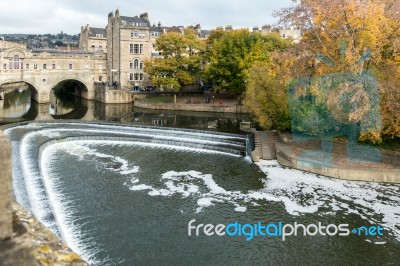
(15, 63)
(142, 35)
(99, 35)
(27, 66)
(34, 66)
(141, 76)
(130, 65)
(141, 49)
(134, 34)
(53, 66)
(141, 65)
(136, 48)
(100, 78)
(283, 35)
(131, 48)
(136, 64)
(130, 76)
(44, 66)
(70, 66)
(136, 76)
(4, 66)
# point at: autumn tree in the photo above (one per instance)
(349, 36)
(265, 95)
(230, 55)
(180, 62)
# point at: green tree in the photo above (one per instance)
(265, 95)
(230, 55)
(180, 65)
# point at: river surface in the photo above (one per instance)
(16, 106)
(125, 194)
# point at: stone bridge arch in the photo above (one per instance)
(32, 86)
(84, 86)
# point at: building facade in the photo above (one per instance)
(93, 39)
(128, 47)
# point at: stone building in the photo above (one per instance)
(128, 47)
(284, 32)
(93, 39)
(7, 45)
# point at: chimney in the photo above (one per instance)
(159, 24)
(144, 15)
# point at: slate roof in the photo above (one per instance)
(94, 31)
(204, 33)
(142, 22)
(157, 29)
(172, 29)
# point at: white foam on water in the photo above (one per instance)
(62, 210)
(82, 151)
(298, 191)
(33, 181)
(240, 209)
(306, 192)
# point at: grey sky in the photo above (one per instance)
(53, 16)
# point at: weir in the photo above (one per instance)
(30, 139)
(104, 187)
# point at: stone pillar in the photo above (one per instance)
(5, 188)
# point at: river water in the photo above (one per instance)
(125, 194)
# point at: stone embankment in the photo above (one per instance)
(350, 162)
(219, 107)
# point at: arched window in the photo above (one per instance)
(136, 64)
(14, 64)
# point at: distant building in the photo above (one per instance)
(93, 39)
(284, 32)
(130, 41)
(7, 44)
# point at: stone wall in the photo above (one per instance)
(289, 155)
(5, 188)
(107, 95)
(216, 108)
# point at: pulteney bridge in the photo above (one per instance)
(44, 69)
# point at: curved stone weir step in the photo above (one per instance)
(32, 138)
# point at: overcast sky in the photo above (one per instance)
(54, 16)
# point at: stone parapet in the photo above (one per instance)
(291, 156)
(5, 188)
(216, 108)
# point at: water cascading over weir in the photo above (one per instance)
(29, 140)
